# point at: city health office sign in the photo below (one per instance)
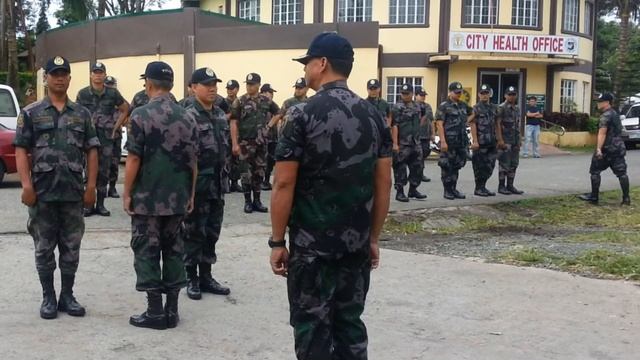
(511, 43)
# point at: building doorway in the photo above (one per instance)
(500, 80)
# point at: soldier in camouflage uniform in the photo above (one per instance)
(158, 192)
(610, 152)
(427, 131)
(508, 126)
(202, 226)
(233, 163)
(299, 96)
(451, 120)
(249, 119)
(272, 139)
(373, 92)
(189, 99)
(141, 98)
(60, 137)
(332, 191)
(405, 127)
(483, 132)
(102, 102)
(110, 81)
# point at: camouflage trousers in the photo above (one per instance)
(105, 154)
(326, 300)
(58, 224)
(450, 163)
(271, 158)
(509, 159)
(154, 238)
(202, 230)
(252, 164)
(484, 162)
(425, 144)
(234, 168)
(616, 162)
(115, 160)
(409, 156)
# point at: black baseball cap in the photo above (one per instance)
(329, 45)
(158, 70)
(98, 66)
(267, 88)
(511, 90)
(300, 83)
(420, 91)
(204, 75)
(233, 84)
(110, 80)
(55, 63)
(484, 88)
(455, 86)
(607, 96)
(253, 78)
(406, 88)
(373, 84)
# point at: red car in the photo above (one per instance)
(7, 152)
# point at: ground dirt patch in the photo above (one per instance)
(561, 233)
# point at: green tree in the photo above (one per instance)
(43, 22)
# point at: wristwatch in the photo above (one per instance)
(275, 244)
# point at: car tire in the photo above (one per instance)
(630, 145)
(3, 171)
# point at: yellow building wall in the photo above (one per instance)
(328, 11)
(308, 12)
(79, 78)
(415, 40)
(40, 83)
(429, 79)
(266, 11)
(276, 68)
(583, 90)
(212, 5)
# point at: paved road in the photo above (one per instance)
(538, 177)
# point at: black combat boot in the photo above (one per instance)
(248, 205)
(480, 189)
(448, 191)
(484, 187)
(86, 212)
(624, 185)
(154, 317)
(257, 204)
(512, 189)
(593, 196)
(113, 193)
(266, 185)
(457, 194)
(234, 186)
(49, 306)
(100, 209)
(502, 187)
(400, 196)
(193, 283)
(67, 302)
(414, 193)
(425, 178)
(171, 308)
(208, 283)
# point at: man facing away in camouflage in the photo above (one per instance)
(332, 183)
(427, 127)
(202, 226)
(60, 137)
(405, 130)
(102, 102)
(159, 187)
(508, 125)
(233, 163)
(610, 152)
(249, 119)
(451, 120)
(483, 131)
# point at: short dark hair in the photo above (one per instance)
(161, 84)
(341, 67)
(532, 98)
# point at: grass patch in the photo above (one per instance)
(609, 237)
(613, 263)
(393, 226)
(528, 256)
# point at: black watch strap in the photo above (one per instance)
(275, 244)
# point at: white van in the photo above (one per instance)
(9, 107)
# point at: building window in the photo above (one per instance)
(249, 10)
(571, 10)
(287, 12)
(481, 12)
(568, 96)
(407, 12)
(395, 83)
(588, 18)
(354, 10)
(525, 13)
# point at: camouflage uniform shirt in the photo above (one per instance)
(141, 98)
(613, 143)
(213, 131)
(57, 142)
(165, 138)
(406, 116)
(336, 137)
(252, 114)
(454, 118)
(509, 114)
(102, 107)
(382, 106)
(485, 119)
(426, 111)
